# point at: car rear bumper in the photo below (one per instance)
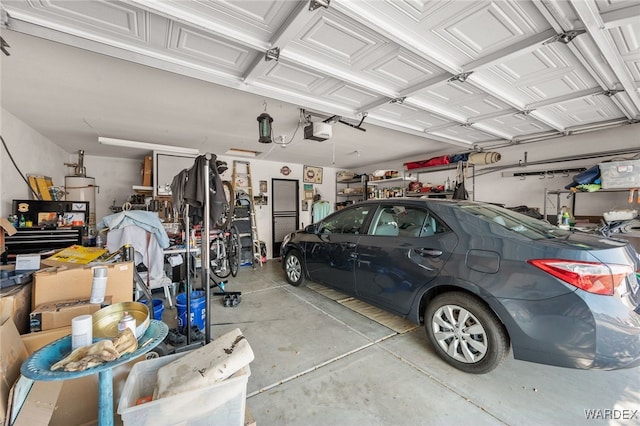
(576, 330)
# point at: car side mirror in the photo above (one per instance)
(311, 229)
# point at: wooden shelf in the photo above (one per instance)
(142, 189)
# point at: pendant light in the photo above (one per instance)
(264, 128)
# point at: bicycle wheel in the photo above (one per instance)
(219, 259)
(233, 250)
(225, 219)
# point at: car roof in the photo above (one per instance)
(417, 201)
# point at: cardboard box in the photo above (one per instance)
(15, 303)
(77, 401)
(12, 355)
(55, 284)
(35, 341)
(40, 404)
(62, 407)
(59, 314)
(5, 226)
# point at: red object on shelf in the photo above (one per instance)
(435, 161)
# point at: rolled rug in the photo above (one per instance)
(479, 158)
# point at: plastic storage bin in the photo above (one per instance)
(220, 404)
(620, 174)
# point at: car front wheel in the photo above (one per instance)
(293, 268)
(465, 333)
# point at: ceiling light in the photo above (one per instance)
(147, 146)
(242, 152)
(264, 128)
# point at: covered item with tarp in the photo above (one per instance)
(144, 231)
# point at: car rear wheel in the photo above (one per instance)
(293, 268)
(465, 333)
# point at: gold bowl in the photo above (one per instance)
(105, 321)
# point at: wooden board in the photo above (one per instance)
(327, 291)
(394, 322)
(40, 185)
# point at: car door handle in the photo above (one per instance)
(428, 252)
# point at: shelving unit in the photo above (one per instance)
(443, 194)
(572, 201)
(351, 190)
(389, 188)
(394, 187)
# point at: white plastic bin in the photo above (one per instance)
(620, 174)
(220, 404)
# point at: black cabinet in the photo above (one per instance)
(36, 240)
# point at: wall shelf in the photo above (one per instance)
(391, 180)
(343, 198)
(572, 196)
(449, 166)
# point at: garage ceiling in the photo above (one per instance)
(419, 76)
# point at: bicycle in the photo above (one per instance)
(224, 252)
(229, 194)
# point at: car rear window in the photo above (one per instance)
(527, 226)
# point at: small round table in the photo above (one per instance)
(38, 366)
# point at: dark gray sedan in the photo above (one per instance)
(481, 279)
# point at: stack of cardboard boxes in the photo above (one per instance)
(39, 312)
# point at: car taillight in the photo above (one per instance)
(597, 278)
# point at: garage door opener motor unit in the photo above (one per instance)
(318, 131)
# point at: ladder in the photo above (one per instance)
(242, 181)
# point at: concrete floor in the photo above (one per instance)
(319, 363)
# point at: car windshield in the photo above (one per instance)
(530, 227)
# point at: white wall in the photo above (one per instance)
(115, 178)
(33, 154)
(267, 170)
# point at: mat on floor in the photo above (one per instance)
(394, 322)
(327, 291)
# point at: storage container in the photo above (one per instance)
(220, 404)
(344, 175)
(620, 174)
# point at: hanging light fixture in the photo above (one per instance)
(264, 128)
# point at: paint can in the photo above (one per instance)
(127, 321)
